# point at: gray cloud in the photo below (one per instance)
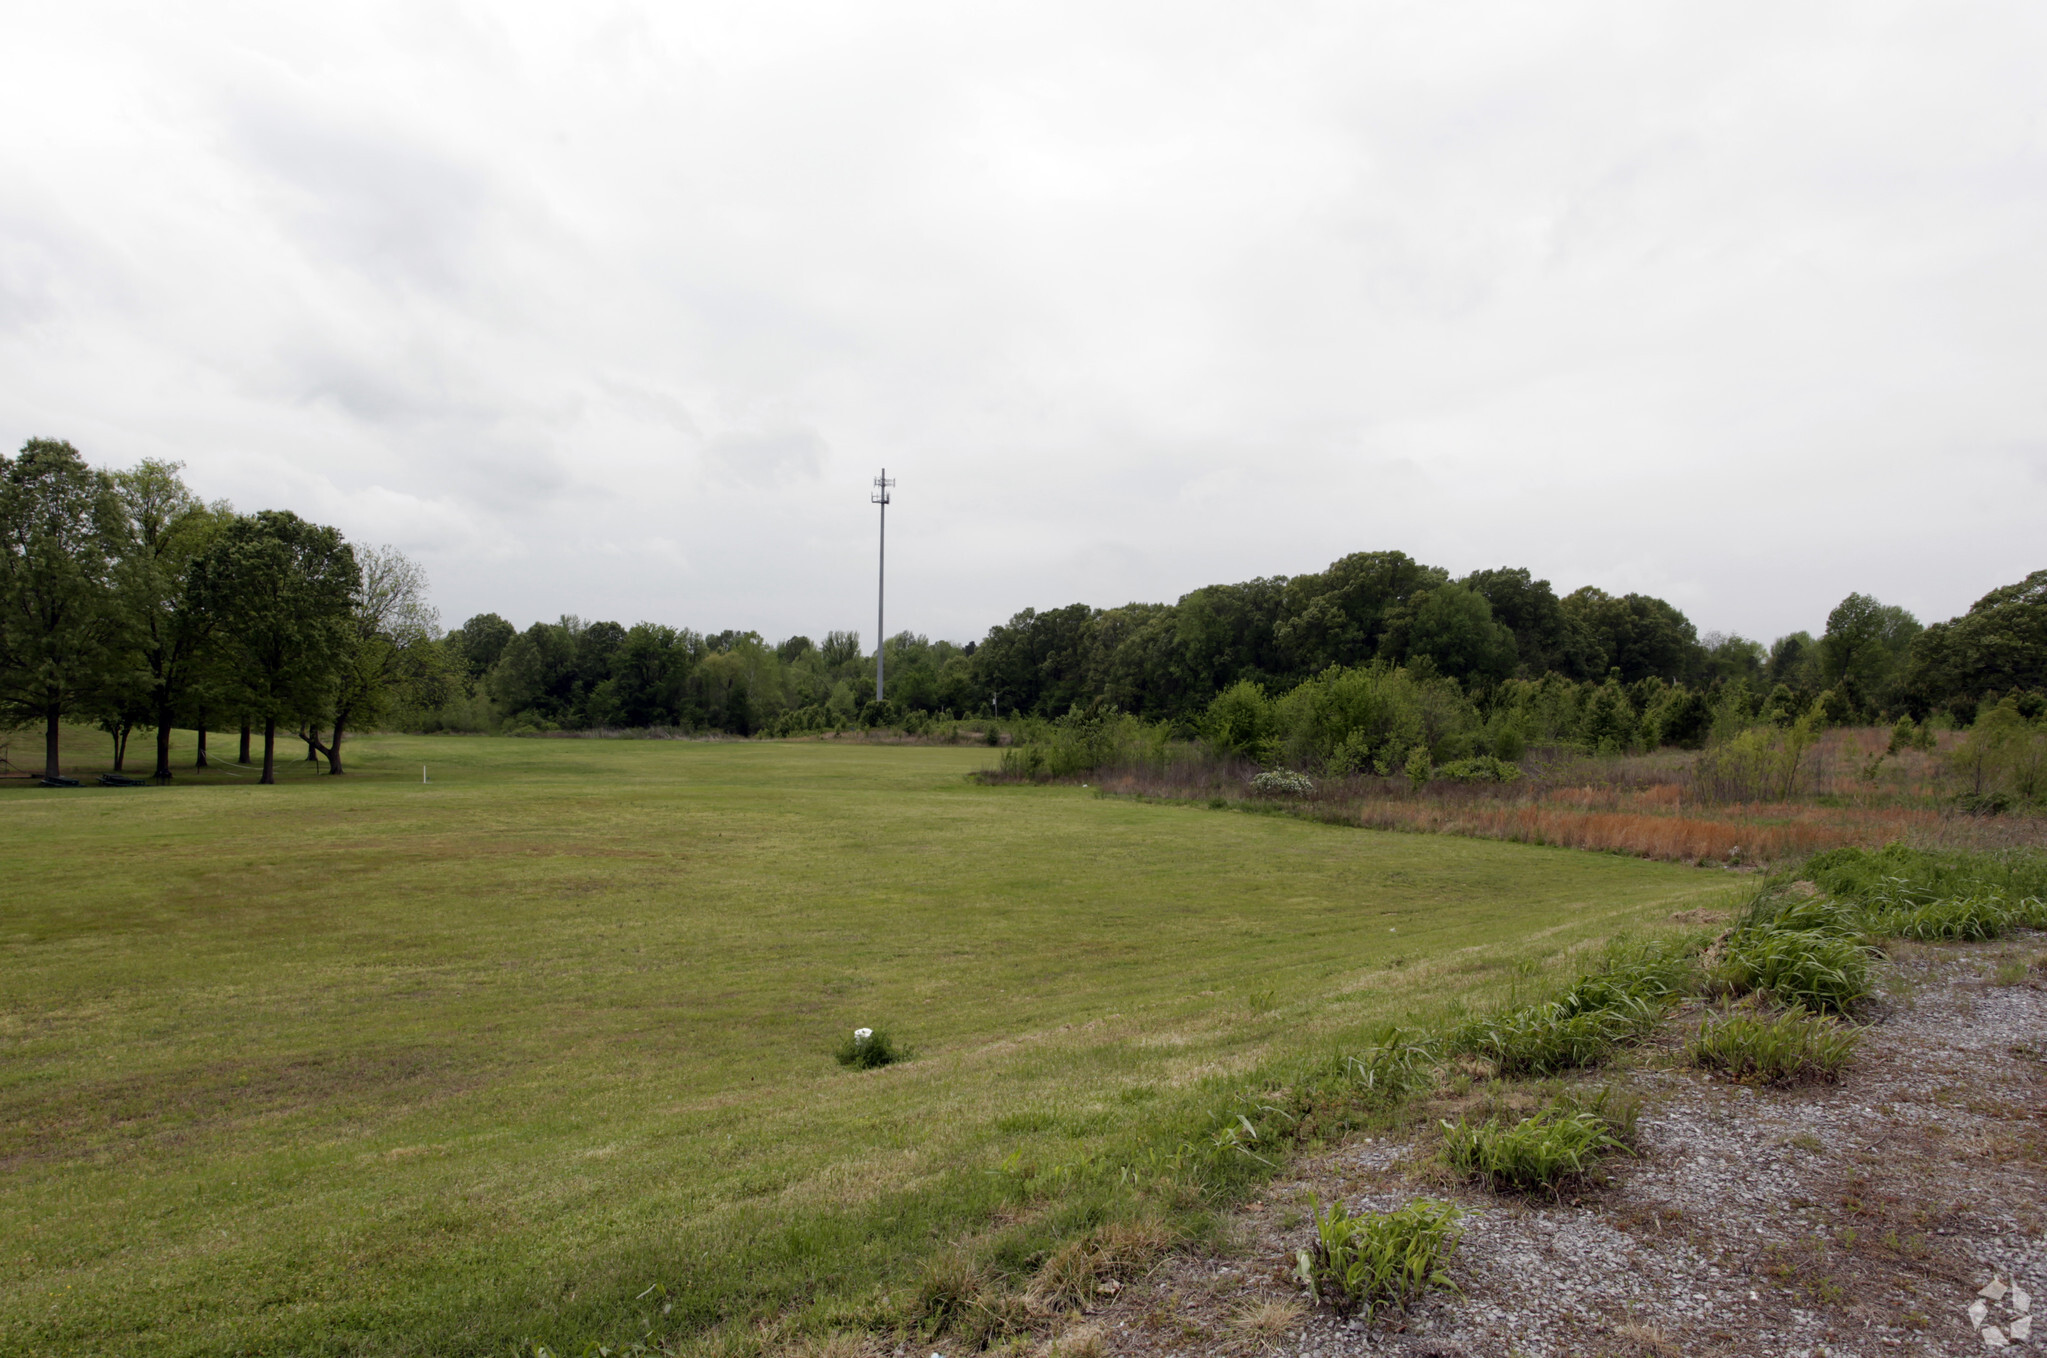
(618, 312)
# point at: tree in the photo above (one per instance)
(281, 590)
(1453, 627)
(2000, 644)
(480, 641)
(1865, 643)
(62, 541)
(1531, 610)
(168, 528)
(389, 639)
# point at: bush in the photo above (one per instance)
(1558, 1146)
(1792, 1047)
(1282, 783)
(1823, 972)
(866, 1048)
(1482, 768)
(1380, 1261)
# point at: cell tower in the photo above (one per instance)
(880, 497)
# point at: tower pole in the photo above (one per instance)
(880, 497)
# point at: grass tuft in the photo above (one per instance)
(1559, 1146)
(1398, 1062)
(1823, 972)
(1796, 1046)
(866, 1053)
(1379, 1262)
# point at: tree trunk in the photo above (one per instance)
(245, 742)
(311, 736)
(199, 759)
(121, 729)
(50, 767)
(334, 749)
(269, 751)
(163, 743)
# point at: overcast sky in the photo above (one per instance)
(617, 310)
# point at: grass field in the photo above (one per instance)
(361, 1065)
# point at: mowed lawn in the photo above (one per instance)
(361, 1065)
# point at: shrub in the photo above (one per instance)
(1282, 783)
(1978, 916)
(1553, 1148)
(1482, 768)
(866, 1048)
(1397, 1063)
(1379, 1261)
(1823, 972)
(1793, 1047)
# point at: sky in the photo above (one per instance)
(617, 311)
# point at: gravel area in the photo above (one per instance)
(1862, 1218)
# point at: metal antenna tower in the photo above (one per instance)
(880, 497)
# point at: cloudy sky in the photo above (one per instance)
(617, 310)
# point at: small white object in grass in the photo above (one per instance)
(2020, 1299)
(1994, 1289)
(862, 1034)
(1977, 1310)
(2022, 1328)
(422, 773)
(1993, 1337)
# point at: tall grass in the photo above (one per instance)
(1380, 1261)
(1793, 1047)
(1617, 1003)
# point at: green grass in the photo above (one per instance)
(545, 1046)
(1559, 1146)
(1795, 1046)
(1379, 1262)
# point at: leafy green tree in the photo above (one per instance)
(1337, 617)
(1865, 643)
(169, 529)
(1999, 645)
(387, 646)
(1637, 634)
(1453, 628)
(282, 591)
(1530, 609)
(480, 642)
(62, 542)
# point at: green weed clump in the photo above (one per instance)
(1557, 1146)
(866, 1048)
(1601, 1011)
(1379, 1262)
(1796, 1046)
(1824, 972)
(1398, 1062)
(1980, 915)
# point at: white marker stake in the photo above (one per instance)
(422, 773)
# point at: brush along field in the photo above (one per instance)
(541, 1050)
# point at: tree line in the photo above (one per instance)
(128, 601)
(132, 603)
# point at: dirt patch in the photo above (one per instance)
(1853, 1219)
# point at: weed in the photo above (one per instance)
(1582, 1027)
(1554, 1147)
(1822, 972)
(1380, 1261)
(1793, 1047)
(1808, 1143)
(1261, 1002)
(2011, 971)
(866, 1048)
(1397, 1063)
